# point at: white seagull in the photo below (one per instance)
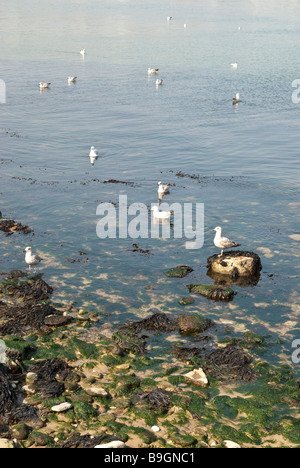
(163, 189)
(72, 79)
(159, 82)
(93, 152)
(82, 52)
(222, 242)
(161, 214)
(236, 99)
(153, 71)
(30, 259)
(45, 85)
(234, 65)
(169, 18)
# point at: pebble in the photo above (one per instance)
(155, 428)
(231, 445)
(197, 377)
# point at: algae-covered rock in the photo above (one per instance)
(235, 264)
(179, 272)
(184, 301)
(216, 293)
(192, 323)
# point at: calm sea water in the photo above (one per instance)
(247, 157)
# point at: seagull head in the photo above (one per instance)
(28, 249)
(218, 229)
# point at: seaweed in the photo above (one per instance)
(157, 322)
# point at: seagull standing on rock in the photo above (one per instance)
(31, 259)
(222, 242)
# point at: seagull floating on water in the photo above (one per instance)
(236, 99)
(159, 82)
(93, 152)
(234, 65)
(169, 18)
(153, 71)
(31, 259)
(72, 79)
(163, 189)
(222, 242)
(161, 214)
(45, 85)
(82, 51)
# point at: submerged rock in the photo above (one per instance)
(235, 264)
(214, 292)
(179, 272)
(184, 301)
(189, 323)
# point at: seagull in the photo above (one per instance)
(161, 214)
(169, 18)
(222, 242)
(44, 85)
(82, 52)
(93, 152)
(153, 71)
(159, 82)
(72, 79)
(31, 259)
(234, 65)
(163, 189)
(236, 99)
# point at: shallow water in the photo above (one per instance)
(247, 157)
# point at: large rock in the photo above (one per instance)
(235, 264)
(192, 323)
(179, 272)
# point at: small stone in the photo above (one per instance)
(31, 378)
(29, 390)
(180, 271)
(231, 445)
(197, 377)
(62, 407)
(155, 428)
(116, 444)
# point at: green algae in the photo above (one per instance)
(83, 411)
(180, 271)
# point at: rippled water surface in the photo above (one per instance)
(246, 157)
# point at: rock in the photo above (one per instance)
(57, 321)
(31, 378)
(216, 293)
(97, 392)
(20, 432)
(235, 264)
(189, 324)
(197, 377)
(29, 390)
(179, 272)
(62, 407)
(6, 444)
(186, 301)
(231, 445)
(155, 429)
(116, 444)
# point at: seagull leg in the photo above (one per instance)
(221, 254)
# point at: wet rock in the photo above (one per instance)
(157, 322)
(184, 301)
(10, 226)
(189, 324)
(26, 319)
(96, 391)
(158, 400)
(57, 321)
(235, 264)
(180, 271)
(197, 377)
(213, 292)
